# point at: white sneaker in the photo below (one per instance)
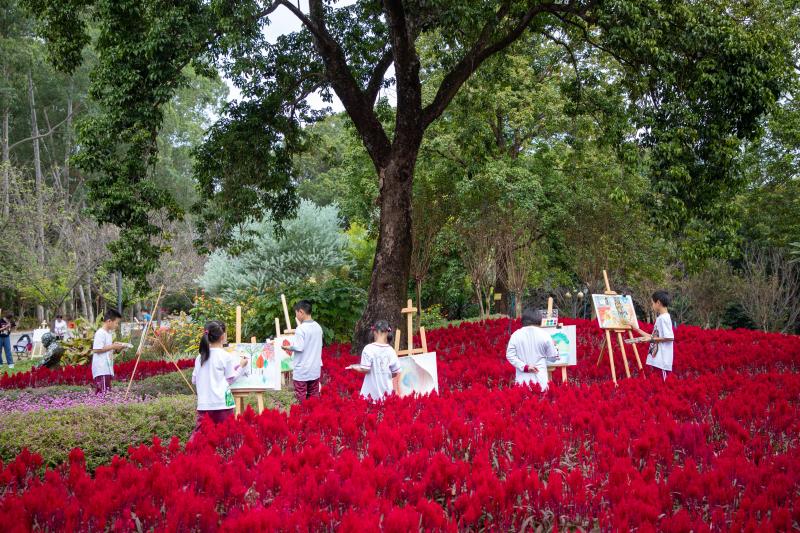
(10, 366)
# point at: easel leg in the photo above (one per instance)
(237, 404)
(611, 357)
(260, 397)
(602, 347)
(635, 350)
(624, 355)
(563, 374)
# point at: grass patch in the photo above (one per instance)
(22, 365)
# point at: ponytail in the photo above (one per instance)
(383, 327)
(213, 332)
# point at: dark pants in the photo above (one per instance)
(5, 344)
(306, 389)
(217, 416)
(102, 384)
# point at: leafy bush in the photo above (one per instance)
(38, 392)
(78, 349)
(311, 246)
(337, 306)
(210, 308)
(432, 318)
(101, 432)
(163, 385)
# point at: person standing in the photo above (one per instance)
(214, 371)
(529, 348)
(60, 328)
(379, 362)
(307, 348)
(103, 349)
(662, 340)
(7, 324)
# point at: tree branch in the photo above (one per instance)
(376, 80)
(42, 135)
(406, 66)
(337, 71)
(570, 52)
(479, 52)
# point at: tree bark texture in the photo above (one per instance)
(388, 289)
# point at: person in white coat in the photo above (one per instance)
(529, 348)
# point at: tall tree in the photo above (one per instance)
(678, 58)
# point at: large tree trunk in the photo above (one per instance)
(388, 288)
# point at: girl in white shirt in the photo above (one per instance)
(214, 371)
(379, 362)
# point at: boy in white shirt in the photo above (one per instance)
(103, 349)
(379, 362)
(307, 348)
(663, 337)
(529, 348)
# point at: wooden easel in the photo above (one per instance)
(409, 311)
(239, 395)
(289, 330)
(146, 328)
(551, 369)
(607, 342)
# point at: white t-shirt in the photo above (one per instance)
(307, 347)
(660, 354)
(102, 364)
(213, 380)
(531, 346)
(60, 328)
(382, 361)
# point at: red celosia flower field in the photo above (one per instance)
(713, 448)
(82, 374)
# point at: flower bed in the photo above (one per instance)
(713, 448)
(26, 402)
(82, 374)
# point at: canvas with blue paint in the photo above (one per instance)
(565, 339)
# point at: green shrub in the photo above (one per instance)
(101, 432)
(337, 307)
(163, 385)
(432, 318)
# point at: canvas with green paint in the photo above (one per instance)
(265, 367)
(565, 339)
(285, 356)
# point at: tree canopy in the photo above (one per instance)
(696, 78)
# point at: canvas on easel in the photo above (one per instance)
(265, 367)
(564, 338)
(418, 371)
(615, 313)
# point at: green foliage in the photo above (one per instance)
(360, 253)
(208, 308)
(337, 306)
(78, 349)
(102, 432)
(310, 246)
(162, 385)
(432, 318)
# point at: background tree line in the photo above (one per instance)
(555, 160)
